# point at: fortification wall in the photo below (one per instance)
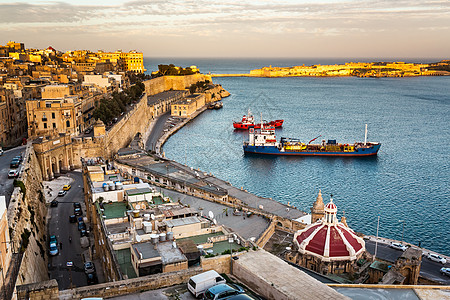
(166, 83)
(123, 132)
(26, 218)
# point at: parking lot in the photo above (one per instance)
(6, 182)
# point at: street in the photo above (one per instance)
(429, 269)
(60, 226)
(157, 131)
(6, 184)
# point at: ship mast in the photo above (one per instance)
(365, 136)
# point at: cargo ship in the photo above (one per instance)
(264, 142)
(248, 121)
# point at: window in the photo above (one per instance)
(45, 125)
(53, 115)
(54, 125)
(67, 123)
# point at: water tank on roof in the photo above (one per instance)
(170, 236)
(105, 187)
(147, 227)
(136, 213)
(119, 185)
(147, 217)
(136, 179)
(112, 186)
(154, 238)
(162, 237)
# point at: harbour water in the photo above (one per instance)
(407, 184)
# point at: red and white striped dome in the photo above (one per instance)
(329, 239)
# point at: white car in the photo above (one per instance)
(398, 246)
(1, 152)
(13, 173)
(437, 258)
(445, 271)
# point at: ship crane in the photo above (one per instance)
(314, 139)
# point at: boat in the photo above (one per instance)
(215, 105)
(264, 142)
(248, 121)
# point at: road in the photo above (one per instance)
(6, 184)
(429, 269)
(156, 131)
(60, 226)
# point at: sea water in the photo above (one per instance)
(407, 184)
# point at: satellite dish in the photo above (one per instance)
(152, 216)
(138, 206)
(215, 222)
(138, 238)
(211, 214)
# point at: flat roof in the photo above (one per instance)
(114, 210)
(138, 191)
(163, 96)
(169, 253)
(182, 222)
(147, 249)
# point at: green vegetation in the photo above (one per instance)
(18, 183)
(108, 109)
(137, 77)
(200, 86)
(172, 70)
(25, 240)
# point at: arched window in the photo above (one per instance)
(67, 123)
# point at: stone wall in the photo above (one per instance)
(219, 263)
(26, 217)
(123, 132)
(167, 83)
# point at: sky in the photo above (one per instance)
(253, 28)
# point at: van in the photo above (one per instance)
(198, 284)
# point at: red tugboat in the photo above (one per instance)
(248, 121)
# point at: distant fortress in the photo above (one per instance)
(359, 69)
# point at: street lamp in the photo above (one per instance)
(403, 228)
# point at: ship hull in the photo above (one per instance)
(246, 126)
(273, 150)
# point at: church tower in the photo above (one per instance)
(317, 210)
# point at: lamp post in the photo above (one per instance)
(230, 240)
(376, 241)
(403, 228)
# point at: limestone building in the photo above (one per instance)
(317, 211)
(327, 245)
(187, 106)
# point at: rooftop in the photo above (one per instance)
(182, 222)
(146, 249)
(170, 254)
(114, 210)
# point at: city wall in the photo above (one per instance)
(167, 83)
(26, 218)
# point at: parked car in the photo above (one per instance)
(62, 193)
(89, 267)
(222, 291)
(77, 211)
(1, 152)
(72, 219)
(53, 243)
(398, 246)
(91, 278)
(88, 130)
(76, 205)
(198, 284)
(14, 163)
(445, 271)
(81, 225)
(66, 187)
(13, 173)
(83, 232)
(437, 258)
(243, 297)
(19, 157)
(54, 203)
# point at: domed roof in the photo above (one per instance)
(329, 239)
